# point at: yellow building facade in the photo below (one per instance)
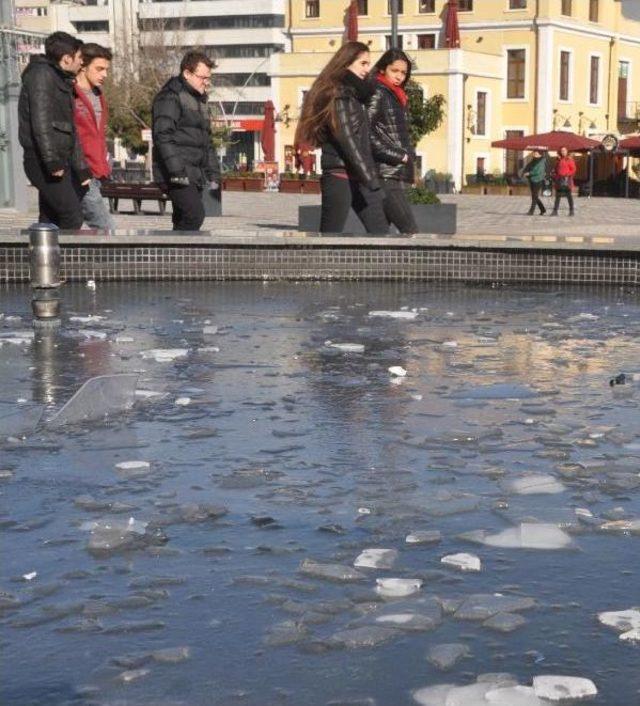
(523, 66)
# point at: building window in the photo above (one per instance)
(623, 89)
(565, 66)
(388, 42)
(363, 7)
(426, 6)
(312, 9)
(400, 6)
(481, 167)
(516, 67)
(465, 6)
(514, 160)
(481, 113)
(426, 41)
(593, 10)
(594, 80)
(517, 4)
(91, 26)
(567, 8)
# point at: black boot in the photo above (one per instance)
(543, 211)
(530, 212)
(553, 213)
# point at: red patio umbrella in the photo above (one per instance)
(352, 22)
(630, 143)
(550, 141)
(452, 28)
(269, 132)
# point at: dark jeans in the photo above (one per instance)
(559, 194)
(59, 198)
(396, 207)
(339, 195)
(188, 209)
(536, 188)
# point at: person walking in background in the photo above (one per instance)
(53, 159)
(536, 172)
(91, 117)
(390, 139)
(563, 173)
(183, 154)
(334, 117)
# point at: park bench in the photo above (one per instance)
(114, 191)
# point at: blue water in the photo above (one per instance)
(501, 382)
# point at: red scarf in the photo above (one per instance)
(398, 91)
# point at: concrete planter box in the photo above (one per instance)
(290, 186)
(433, 218)
(497, 189)
(243, 184)
(477, 189)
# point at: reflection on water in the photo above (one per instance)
(199, 549)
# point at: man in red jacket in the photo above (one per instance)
(90, 117)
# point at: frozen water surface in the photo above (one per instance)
(158, 552)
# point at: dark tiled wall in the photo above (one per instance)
(326, 262)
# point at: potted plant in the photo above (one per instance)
(289, 183)
(475, 185)
(439, 182)
(431, 215)
(498, 185)
(292, 183)
(243, 181)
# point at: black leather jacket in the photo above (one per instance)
(350, 149)
(45, 114)
(390, 140)
(182, 135)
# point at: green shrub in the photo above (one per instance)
(420, 195)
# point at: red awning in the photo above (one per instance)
(549, 141)
(452, 28)
(630, 143)
(269, 132)
(352, 22)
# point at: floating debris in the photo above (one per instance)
(376, 559)
(561, 688)
(397, 588)
(462, 561)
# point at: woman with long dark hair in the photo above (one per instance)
(390, 137)
(334, 117)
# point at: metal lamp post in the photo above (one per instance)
(394, 23)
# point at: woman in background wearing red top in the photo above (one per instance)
(390, 138)
(563, 174)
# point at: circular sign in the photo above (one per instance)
(609, 143)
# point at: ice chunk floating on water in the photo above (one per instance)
(559, 688)
(397, 588)
(346, 347)
(376, 559)
(464, 562)
(164, 355)
(534, 484)
(408, 315)
(529, 535)
(96, 399)
(398, 371)
(626, 622)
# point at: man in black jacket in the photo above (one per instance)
(53, 159)
(183, 155)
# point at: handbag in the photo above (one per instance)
(563, 183)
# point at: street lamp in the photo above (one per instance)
(582, 120)
(394, 23)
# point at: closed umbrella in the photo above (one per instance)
(269, 132)
(352, 22)
(452, 27)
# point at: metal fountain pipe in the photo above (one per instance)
(44, 270)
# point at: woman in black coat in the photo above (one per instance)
(390, 139)
(334, 117)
